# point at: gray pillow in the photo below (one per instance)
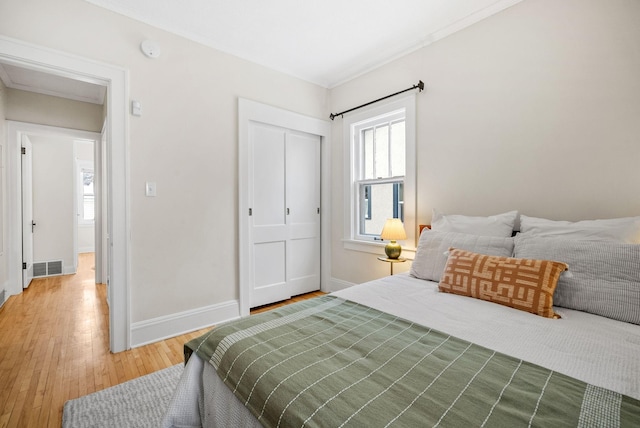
(430, 259)
(603, 279)
(496, 225)
(625, 229)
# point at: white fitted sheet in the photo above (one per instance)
(596, 350)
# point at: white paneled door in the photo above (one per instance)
(284, 214)
(303, 209)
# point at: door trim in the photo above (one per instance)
(116, 79)
(252, 111)
(26, 201)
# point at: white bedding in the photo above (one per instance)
(596, 350)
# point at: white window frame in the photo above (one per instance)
(352, 124)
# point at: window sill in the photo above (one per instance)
(375, 248)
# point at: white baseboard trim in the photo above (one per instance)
(3, 294)
(337, 284)
(156, 329)
(89, 249)
(69, 270)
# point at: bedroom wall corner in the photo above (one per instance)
(532, 109)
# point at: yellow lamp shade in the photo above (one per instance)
(393, 230)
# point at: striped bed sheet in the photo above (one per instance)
(594, 356)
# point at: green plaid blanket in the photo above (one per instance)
(328, 362)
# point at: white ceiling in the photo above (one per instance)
(325, 42)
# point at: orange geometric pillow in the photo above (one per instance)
(523, 284)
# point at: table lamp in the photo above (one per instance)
(393, 230)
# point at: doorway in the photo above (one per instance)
(58, 200)
(115, 79)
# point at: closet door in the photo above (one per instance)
(268, 219)
(303, 219)
(284, 219)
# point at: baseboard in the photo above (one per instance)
(338, 284)
(156, 329)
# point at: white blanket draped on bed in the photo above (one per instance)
(593, 349)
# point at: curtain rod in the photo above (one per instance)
(420, 86)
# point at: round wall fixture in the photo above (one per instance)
(150, 49)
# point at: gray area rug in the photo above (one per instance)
(139, 402)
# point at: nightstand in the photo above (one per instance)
(392, 261)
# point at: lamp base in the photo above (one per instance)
(393, 250)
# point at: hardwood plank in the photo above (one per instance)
(54, 347)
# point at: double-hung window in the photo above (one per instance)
(380, 162)
(379, 182)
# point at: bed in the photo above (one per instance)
(418, 350)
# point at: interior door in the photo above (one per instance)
(268, 222)
(28, 223)
(303, 208)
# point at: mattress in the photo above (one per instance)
(590, 348)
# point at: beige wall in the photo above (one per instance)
(31, 107)
(185, 141)
(53, 206)
(534, 109)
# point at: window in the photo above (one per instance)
(380, 142)
(380, 147)
(86, 196)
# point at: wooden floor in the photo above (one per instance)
(54, 347)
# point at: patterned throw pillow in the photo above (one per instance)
(524, 284)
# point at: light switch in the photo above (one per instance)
(136, 108)
(150, 188)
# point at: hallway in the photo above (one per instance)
(54, 346)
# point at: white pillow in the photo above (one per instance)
(496, 225)
(625, 230)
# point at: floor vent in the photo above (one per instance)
(51, 268)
